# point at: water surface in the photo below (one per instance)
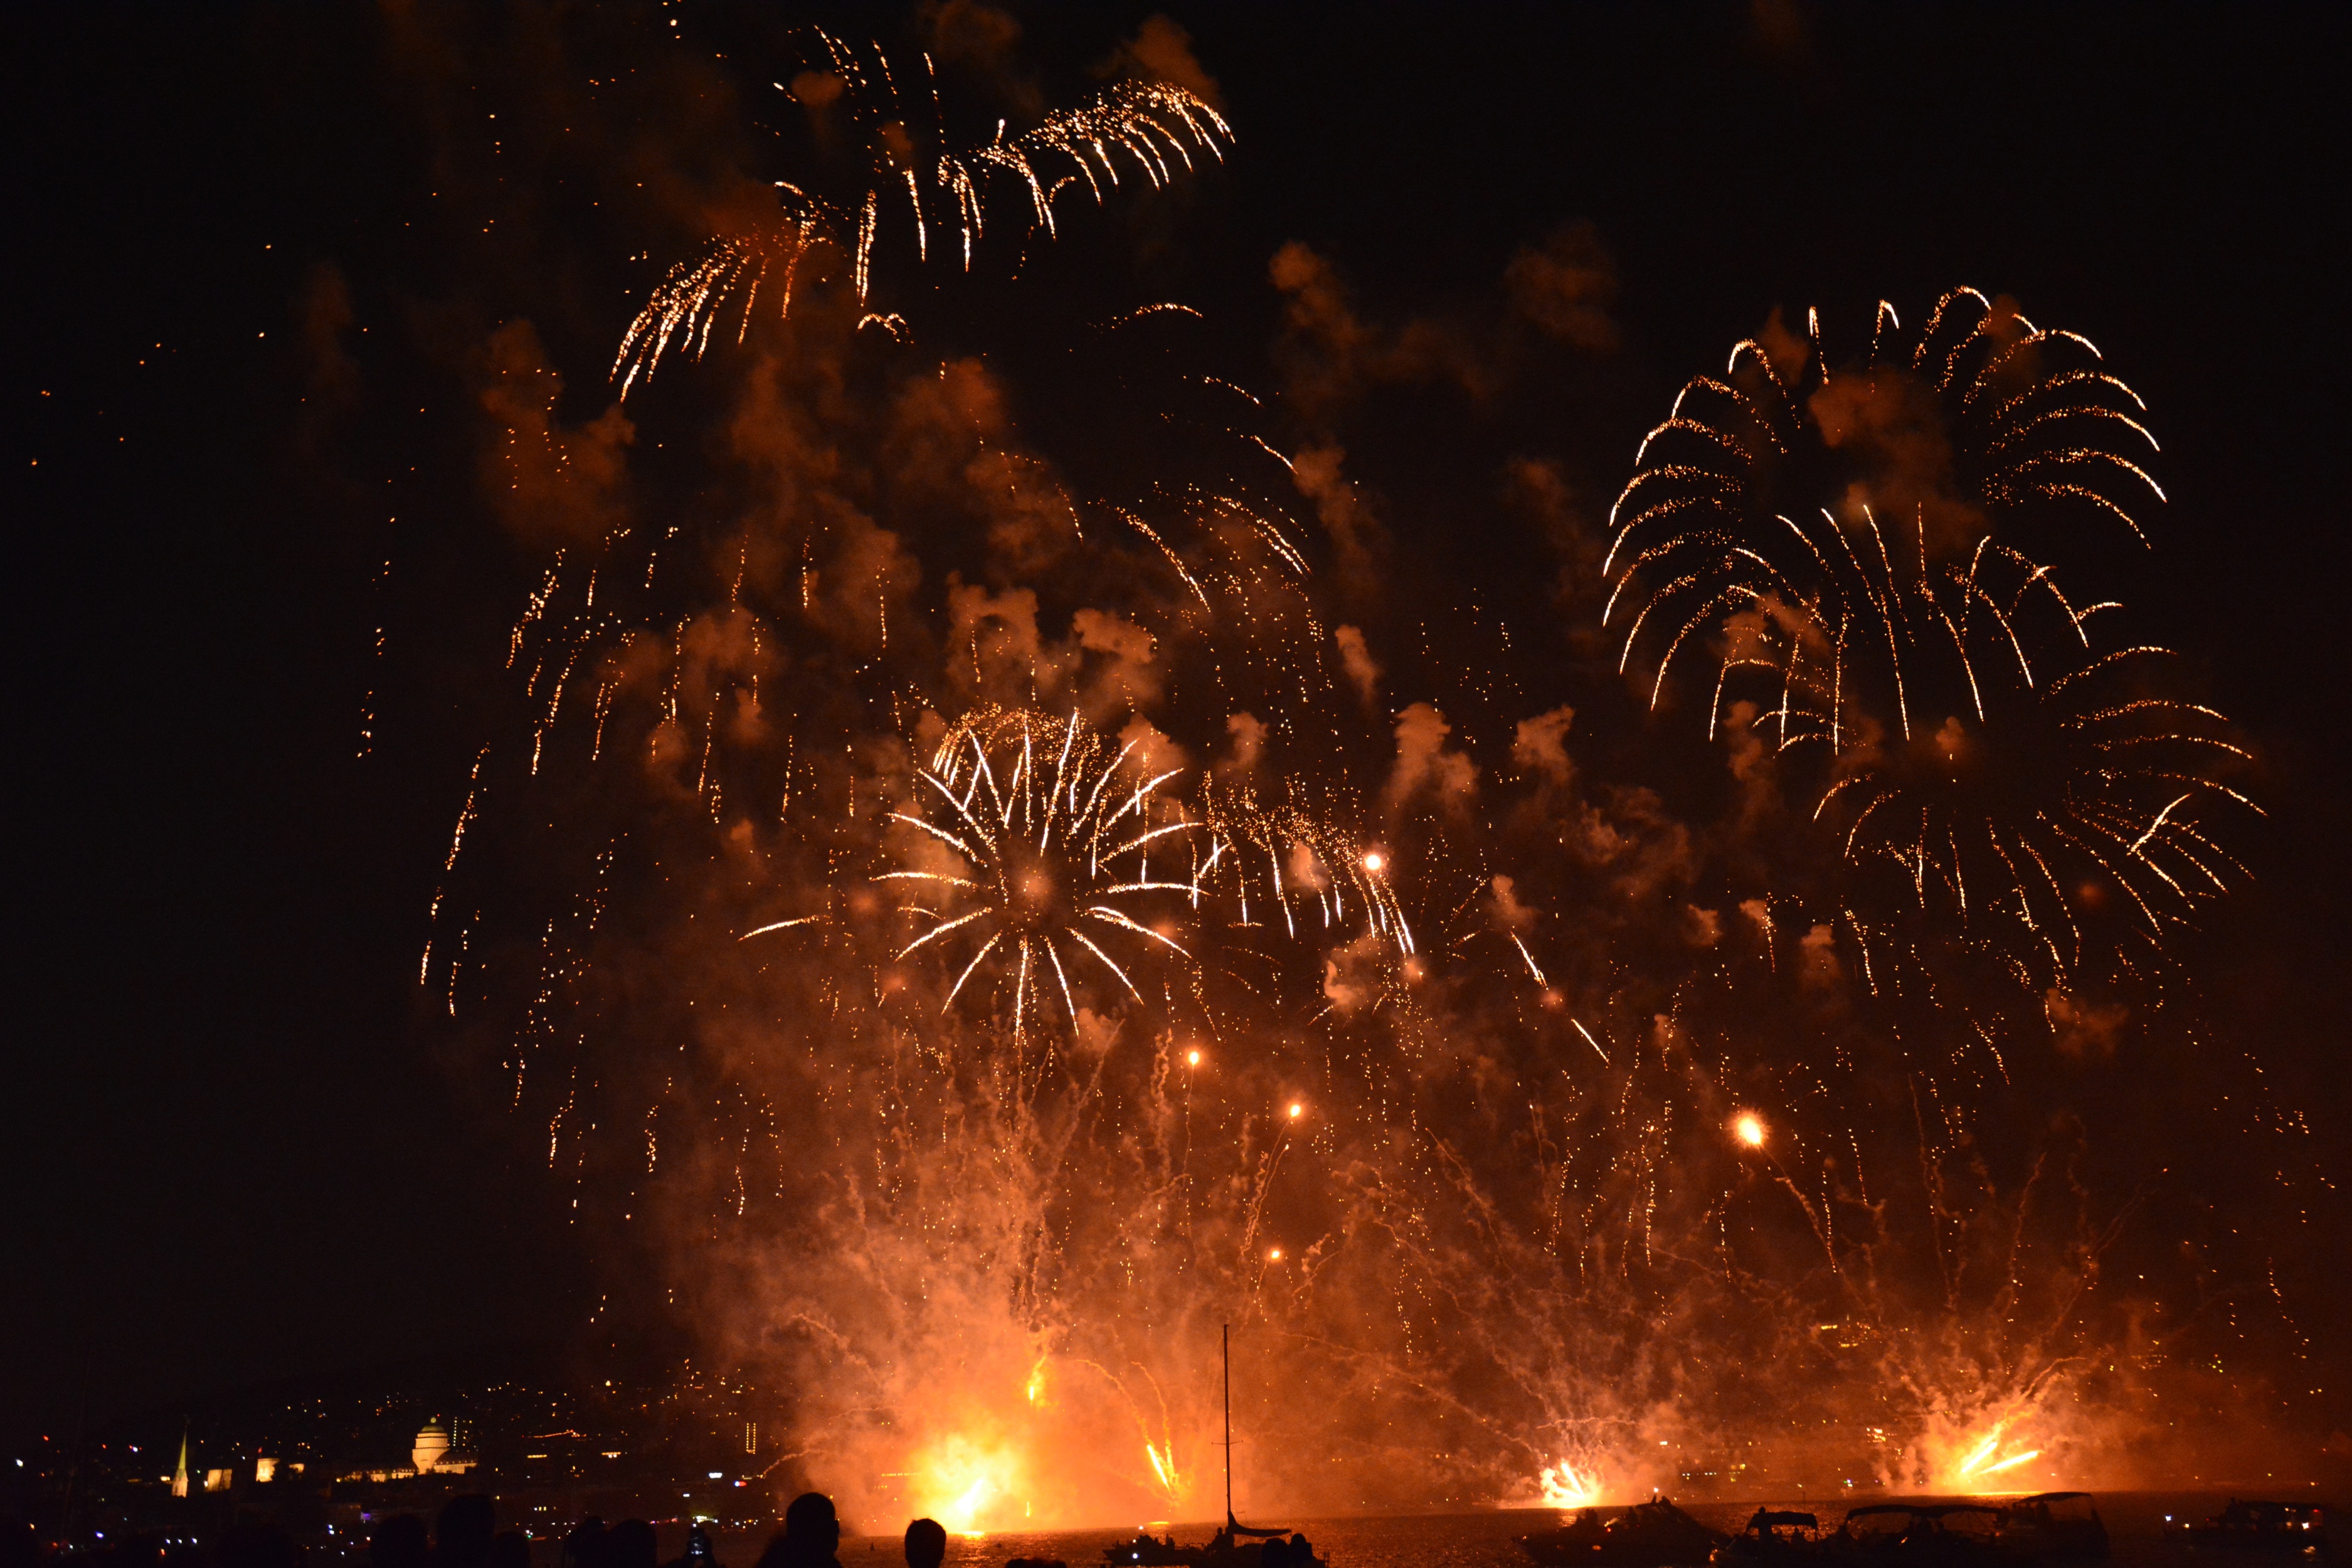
(1488, 1539)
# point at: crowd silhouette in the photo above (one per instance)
(465, 1534)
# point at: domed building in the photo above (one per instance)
(431, 1443)
(433, 1454)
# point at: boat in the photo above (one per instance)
(1654, 1534)
(2053, 1527)
(1237, 1545)
(1773, 1537)
(2259, 1530)
(1918, 1535)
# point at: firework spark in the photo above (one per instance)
(1150, 130)
(1469, 1150)
(1051, 835)
(1847, 550)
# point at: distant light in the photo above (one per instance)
(1748, 1127)
(715, 1475)
(1192, 1059)
(1296, 1110)
(1375, 861)
(1273, 1255)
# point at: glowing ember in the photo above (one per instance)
(1748, 1127)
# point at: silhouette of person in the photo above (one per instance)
(812, 1534)
(462, 1530)
(250, 1543)
(699, 1553)
(926, 1543)
(630, 1544)
(398, 1542)
(584, 1547)
(1275, 1553)
(1302, 1551)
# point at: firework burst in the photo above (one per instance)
(1049, 836)
(1150, 130)
(1484, 1142)
(1859, 561)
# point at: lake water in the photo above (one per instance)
(1488, 1540)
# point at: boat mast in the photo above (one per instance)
(1226, 1333)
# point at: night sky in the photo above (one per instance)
(237, 1146)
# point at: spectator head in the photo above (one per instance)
(463, 1531)
(812, 1534)
(926, 1543)
(249, 1542)
(630, 1544)
(397, 1542)
(510, 1549)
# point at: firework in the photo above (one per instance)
(1150, 130)
(1050, 835)
(1520, 1176)
(1294, 869)
(1848, 562)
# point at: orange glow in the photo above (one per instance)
(1192, 1059)
(1981, 1461)
(1296, 1110)
(1748, 1127)
(1273, 1255)
(1374, 861)
(1985, 1460)
(1567, 1486)
(1171, 1481)
(968, 1486)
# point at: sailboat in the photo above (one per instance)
(1237, 1545)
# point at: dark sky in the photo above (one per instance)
(233, 1151)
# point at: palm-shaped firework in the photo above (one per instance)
(1042, 841)
(1862, 556)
